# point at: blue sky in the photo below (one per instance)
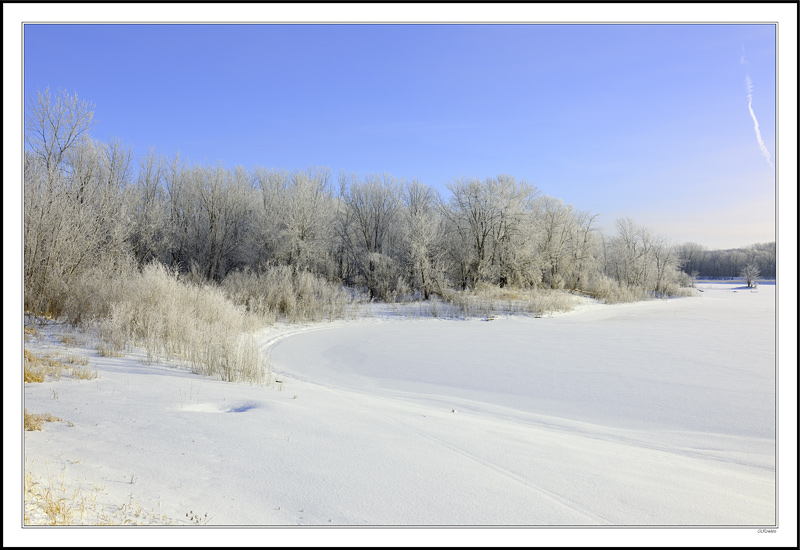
(648, 121)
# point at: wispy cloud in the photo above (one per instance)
(749, 87)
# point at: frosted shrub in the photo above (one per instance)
(279, 292)
(402, 291)
(610, 291)
(680, 291)
(490, 300)
(317, 299)
(381, 276)
(191, 322)
(114, 332)
(557, 281)
(93, 292)
(540, 303)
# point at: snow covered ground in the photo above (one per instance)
(659, 413)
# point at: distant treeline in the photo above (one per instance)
(697, 261)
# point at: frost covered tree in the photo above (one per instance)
(583, 250)
(76, 219)
(627, 257)
(270, 183)
(298, 213)
(212, 212)
(368, 229)
(308, 219)
(149, 209)
(175, 250)
(56, 124)
(637, 258)
(750, 273)
(665, 263)
(514, 259)
(492, 230)
(423, 233)
(691, 259)
(556, 226)
(472, 216)
(56, 130)
(764, 257)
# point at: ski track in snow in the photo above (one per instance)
(590, 431)
(717, 448)
(625, 439)
(568, 505)
(269, 342)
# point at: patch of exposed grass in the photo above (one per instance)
(74, 359)
(38, 367)
(44, 499)
(488, 301)
(70, 339)
(34, 422)
(51, 502)
(109, 350)
(84, 373)
(31, 331)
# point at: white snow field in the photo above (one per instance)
(658, 413)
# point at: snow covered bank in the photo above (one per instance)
(647, 414)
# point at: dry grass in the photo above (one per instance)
(106, 349)
(488, 300)
(83, 373)
(38, 367)
(278, 292)
(51, 502)
(42, 498)
(70, 340)
(610, 291)
(31, 332)
(74, 359)
(34, 422)
(195, 324)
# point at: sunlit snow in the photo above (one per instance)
(653, 413)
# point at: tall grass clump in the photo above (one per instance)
(611, 291)
(92, 294)
(489, 300)
(191, 322)
(281, 292)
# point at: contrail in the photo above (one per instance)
(749, 86)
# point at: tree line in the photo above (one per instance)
(91, 206)
(698, 261)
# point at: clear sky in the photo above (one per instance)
(673, 125)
